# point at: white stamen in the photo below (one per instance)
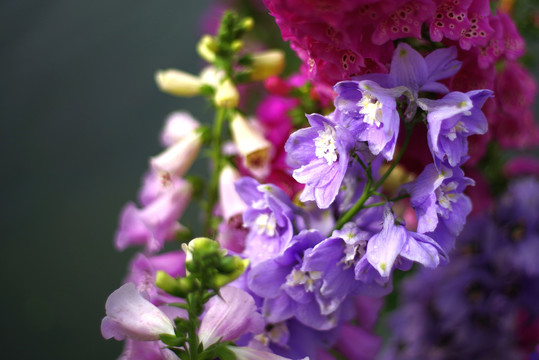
(306, 278)
(458, 128)
(265, 224)
(446, 195)
(372, 109)
(325, 145)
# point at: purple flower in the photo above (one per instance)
(375, 108)
(437, 195)
(131, 315)
(290, 290)
(156, 222)
(451, 120)
(268, 217)
(229, 316)
(395, 241)
(321, 154)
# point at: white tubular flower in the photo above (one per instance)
(179, 83)
(251, 145)
(130, 315)
(266, 64)
(178, 158)
(231, 202)
(227, 96)
(212, 76)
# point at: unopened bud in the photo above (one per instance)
(203, 245)
(220, 280)
(179, 83)
(247, 23)
(206, 48)
(236, 45)
(227, 96)
(266, 64)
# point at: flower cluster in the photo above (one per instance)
(348, 175)
(483, 305)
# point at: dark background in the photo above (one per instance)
(79, 115)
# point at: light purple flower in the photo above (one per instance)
(177, 125)
(229, 316)
(395, 241)
(437, 195)
(375, 107)
(269, 219)
(245, 353)
(320, 155)
(131, 315)
(451, 120)
(146, 350)
(156, 222)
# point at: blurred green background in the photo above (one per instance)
(80, 116)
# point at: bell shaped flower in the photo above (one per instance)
(178, 158)
(451, 120)
(395, 241)
(177, 125)
(320, 154)
(130, 315)
(229, 316)
(438, 195)
(246, 353)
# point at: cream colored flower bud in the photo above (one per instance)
(227, 96)
(251, 145)
(266, 64)
(179, 83)
(206, 48)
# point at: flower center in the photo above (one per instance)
(372, 109)
(305, 278)
(446, 195)
(265, 224)
(459, 128)
(325, 145)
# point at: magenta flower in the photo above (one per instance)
(229, 316)
(130, 315)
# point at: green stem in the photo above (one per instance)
(216, 154)
(193, 318)
(370, 189)
(357, 206)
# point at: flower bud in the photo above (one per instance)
(239, 265)
(178, 158)
(251, 144)
(227, 96)
(212, 76)
(266, 64)
(247, 23)
(179, 83)
(236, 45)
(206, 48)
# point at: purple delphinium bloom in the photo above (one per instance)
(320, 154)
(394, 241)
(437, 195)
(336, 258)
(269, 218)
(451, 120)
(289, 290)
(375, 109)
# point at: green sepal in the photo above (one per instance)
(172, 340)
(242, 76)
(207, 90)
(245, 60)
(182, 354)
